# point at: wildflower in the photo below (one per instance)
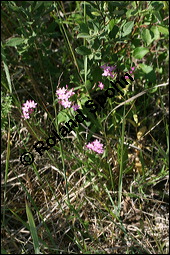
(28, 108)
(96, 146)
(75, 107)
(64, 95)
(101, 85)
(108, 70)
(65, 103)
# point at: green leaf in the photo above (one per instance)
(145, 68)
(114, 32)
(146, 36)
(15, 41)
(156, 32)
(157, 15)
(118, 12)
(163, 30)
(96, 13)
(151, 76)
(127, 28)
(153, 90)
(82, 50)
(84, 28)
(83, 35)
(161, 151)
(140, 52)
(111, 24)
(62, 117)
(33, 230)
(3, 251)
(6, 68)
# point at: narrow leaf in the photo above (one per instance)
(6, 68)
(33, 230)
(83, 35)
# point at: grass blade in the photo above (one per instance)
(6, 68)
(33, 229)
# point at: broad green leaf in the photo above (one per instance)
(84, 28)
(145, 68)
(146, 36)
(83, 35)
(82, 50)
(15, 41)
(156, 32)
(163, 30)
(62, 117)
(151, 76)
(33, 230)
(127, 28)
(140, 52)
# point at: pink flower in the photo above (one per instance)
(75, 107)
(64, 95)
(28, 108)
(101, 85)
(61, 91)
(65, 103)
(108, 70)
(70, 93)
(96, 146)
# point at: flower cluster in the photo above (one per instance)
(108, 70)
(64, 94)
(28, 108)
(96, 146)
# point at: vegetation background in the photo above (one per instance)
(72, 200)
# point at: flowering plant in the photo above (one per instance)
(28, 108)
(63, 95)
(96, 146)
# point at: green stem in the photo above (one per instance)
(121, 163)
